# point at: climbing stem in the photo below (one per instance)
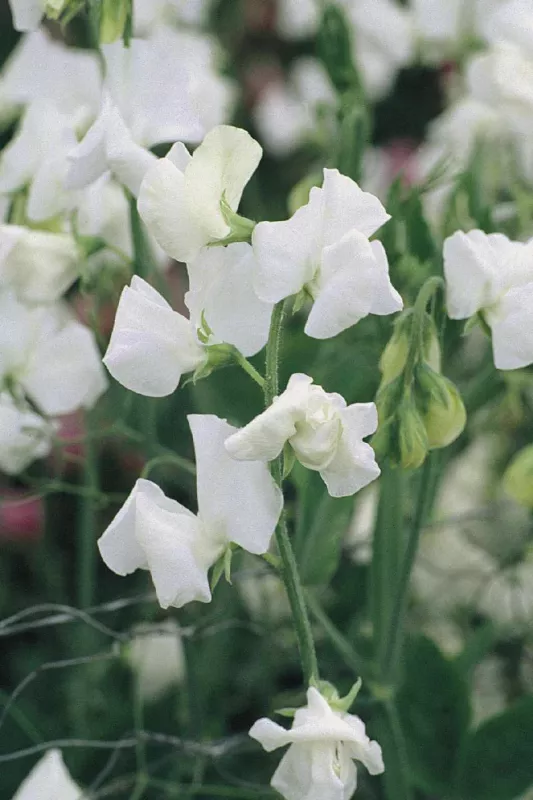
(289, 568)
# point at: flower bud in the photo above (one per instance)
(394, 357)
(114, 16)
(518, 477)
(335, 48)
(442, 408)
(412, 437)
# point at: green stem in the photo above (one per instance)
(387, 553)
(394, 631)
(87, 525)
(341, 644)
(168, 458)
(430, 287)
(396, 779)
(289, 568)
(249, 369)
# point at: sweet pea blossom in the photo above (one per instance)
(181, 194)
(156, 654)
(237, 503)
(151, 96)
(324, 249)
(48, 356)
(24, 435)
(49, 780)
(38, 266)
(324, 743)
(151, 345)
(325, 434)
(490, 274)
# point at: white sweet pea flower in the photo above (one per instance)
(45, 69)
(221, 294)
(490, 274)
(324, 743)
(325, 434)
(24, 436)
(181, 194)
(237, 503)
(324, 249)
(140, 109)
(49, 356)
(157, 657)
(49, 780)
(38, 266)
(151, 345)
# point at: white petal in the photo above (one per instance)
(237, 502)
(24, 436)
(177, 552)
(88, 161)
(386, 299)
(220, 288)
(222, 165)
(470, 269)
(127, 160)
(269, 734)
(347, 207)
(163, 207)
(179, 156)
(288, 253)
(65, 372)
(151, 345)
(27, 14)
(49, 780)
(263, 438)
(512, 331)
(118, 545)
(38, 266)
(346, 287)
(48, 194)
(307, 772)
(354, 465)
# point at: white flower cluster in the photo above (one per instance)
(81, 146)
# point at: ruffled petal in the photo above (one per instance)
(288, 253)
(512, 332)
(237, 502)
(354, 464)
(348, 207)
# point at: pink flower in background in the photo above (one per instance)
(401, 160)
(21, 516)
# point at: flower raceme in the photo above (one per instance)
(152, 346)
(493, 276)
(237, 503)
(181, 195)
(319, 764)
(324, 250)
(24, 435)
(325, 434)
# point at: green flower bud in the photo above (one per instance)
(412, 438)
(518, 477)
(394, 357)
(441, 406)
(114, 16)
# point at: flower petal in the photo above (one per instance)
(27, 14)
(49, 780)
(263, 438)
(512, 333)
(471, 272)
(151, 345)
(220, 290)
(222, 165)
(288, 253)
(177, 551)
(354, 464)
(348, 207)
(237, 502)
(346, 288)
(163, 208)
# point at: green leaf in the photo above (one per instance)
(434, 712)
(322, 524)
(497, 759)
